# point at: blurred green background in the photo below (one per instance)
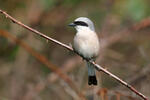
(124, 32)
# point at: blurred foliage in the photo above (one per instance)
(137, 10)
(47, 4)
(8, 51)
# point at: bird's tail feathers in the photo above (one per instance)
(91, 74)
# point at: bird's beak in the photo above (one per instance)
(72, 24)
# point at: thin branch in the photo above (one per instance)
(35, 31)
(98, 67)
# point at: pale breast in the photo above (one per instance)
(87, 44)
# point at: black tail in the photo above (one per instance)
(92, 80)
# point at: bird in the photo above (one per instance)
(86, 43)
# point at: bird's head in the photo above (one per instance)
(82, 23)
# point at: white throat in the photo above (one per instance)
(82, 28)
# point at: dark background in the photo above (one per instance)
(124, 32)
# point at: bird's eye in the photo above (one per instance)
(81, 23)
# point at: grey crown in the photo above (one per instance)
(87, 21)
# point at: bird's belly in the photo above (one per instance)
(86, 49)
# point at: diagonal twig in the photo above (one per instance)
(98, 67)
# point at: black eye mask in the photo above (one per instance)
(80, 23)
